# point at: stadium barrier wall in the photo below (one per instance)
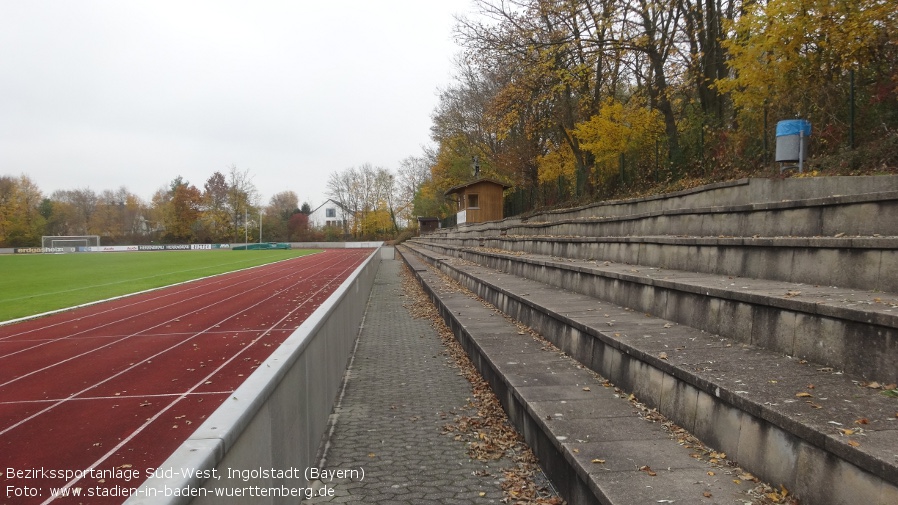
(182, 247)
(334, 245)
(267, 434)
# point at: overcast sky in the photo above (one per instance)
(104, 94)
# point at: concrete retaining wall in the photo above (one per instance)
(294, 245)
(739, 192)
(275, 420)
(731, 194)
(334, 245)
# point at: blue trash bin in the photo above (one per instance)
(792, 140)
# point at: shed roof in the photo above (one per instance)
(456, 189)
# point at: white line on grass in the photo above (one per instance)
(88, 304)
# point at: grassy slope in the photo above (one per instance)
(36, 283)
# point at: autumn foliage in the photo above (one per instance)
(595, 98)
(225, 210)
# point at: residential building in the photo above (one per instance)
(330, 214)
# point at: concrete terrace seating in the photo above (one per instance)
(752, 313)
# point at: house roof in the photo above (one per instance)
(338, 204)
(457, 189)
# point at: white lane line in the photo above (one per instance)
(131, 316)
(174, 334)
(149, 421)
(140, 397)
(150, 358)
(246, 273)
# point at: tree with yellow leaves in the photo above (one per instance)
(21, 223)
(795, 58)
(620, 127)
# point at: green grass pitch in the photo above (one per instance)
(36, 283)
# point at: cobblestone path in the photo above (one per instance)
(399, 393)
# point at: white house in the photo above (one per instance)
(330, 213)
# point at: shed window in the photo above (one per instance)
(473, 202)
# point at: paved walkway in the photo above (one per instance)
(399, 393)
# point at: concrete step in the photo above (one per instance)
(744, 195)
(869, 263)
(732, 193)
(813, 429)
(849, 330)
(593, 443)
(815, 217)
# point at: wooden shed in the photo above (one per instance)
(479, 200)
(428, 225)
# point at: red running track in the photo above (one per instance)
(118, 386)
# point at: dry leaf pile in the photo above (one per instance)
(488, 434)
(500, 251)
